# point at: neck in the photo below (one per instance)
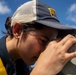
(12, 48)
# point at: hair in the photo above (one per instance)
(31, 26)
(26, 27)
(8, 26)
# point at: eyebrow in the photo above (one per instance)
(48, 39)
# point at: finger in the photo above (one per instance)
(58, 40)
(69, 43)
(70, 56)
(53, 42)
(63, 41)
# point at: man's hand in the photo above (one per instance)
(54, 57)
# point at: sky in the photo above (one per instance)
(65, 11)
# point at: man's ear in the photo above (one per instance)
(16, 29)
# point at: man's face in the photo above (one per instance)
(35, 42)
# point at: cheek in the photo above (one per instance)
(30, 48)
(33, 47)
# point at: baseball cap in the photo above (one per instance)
(38, 12)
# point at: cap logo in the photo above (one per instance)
(52, 12)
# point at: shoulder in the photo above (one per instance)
(2, 45)
(2, 40)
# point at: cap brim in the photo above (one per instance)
(55, 24)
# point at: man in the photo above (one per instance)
(35, 28)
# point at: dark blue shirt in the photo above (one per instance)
(17, 68)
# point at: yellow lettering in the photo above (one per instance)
(52, 12)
